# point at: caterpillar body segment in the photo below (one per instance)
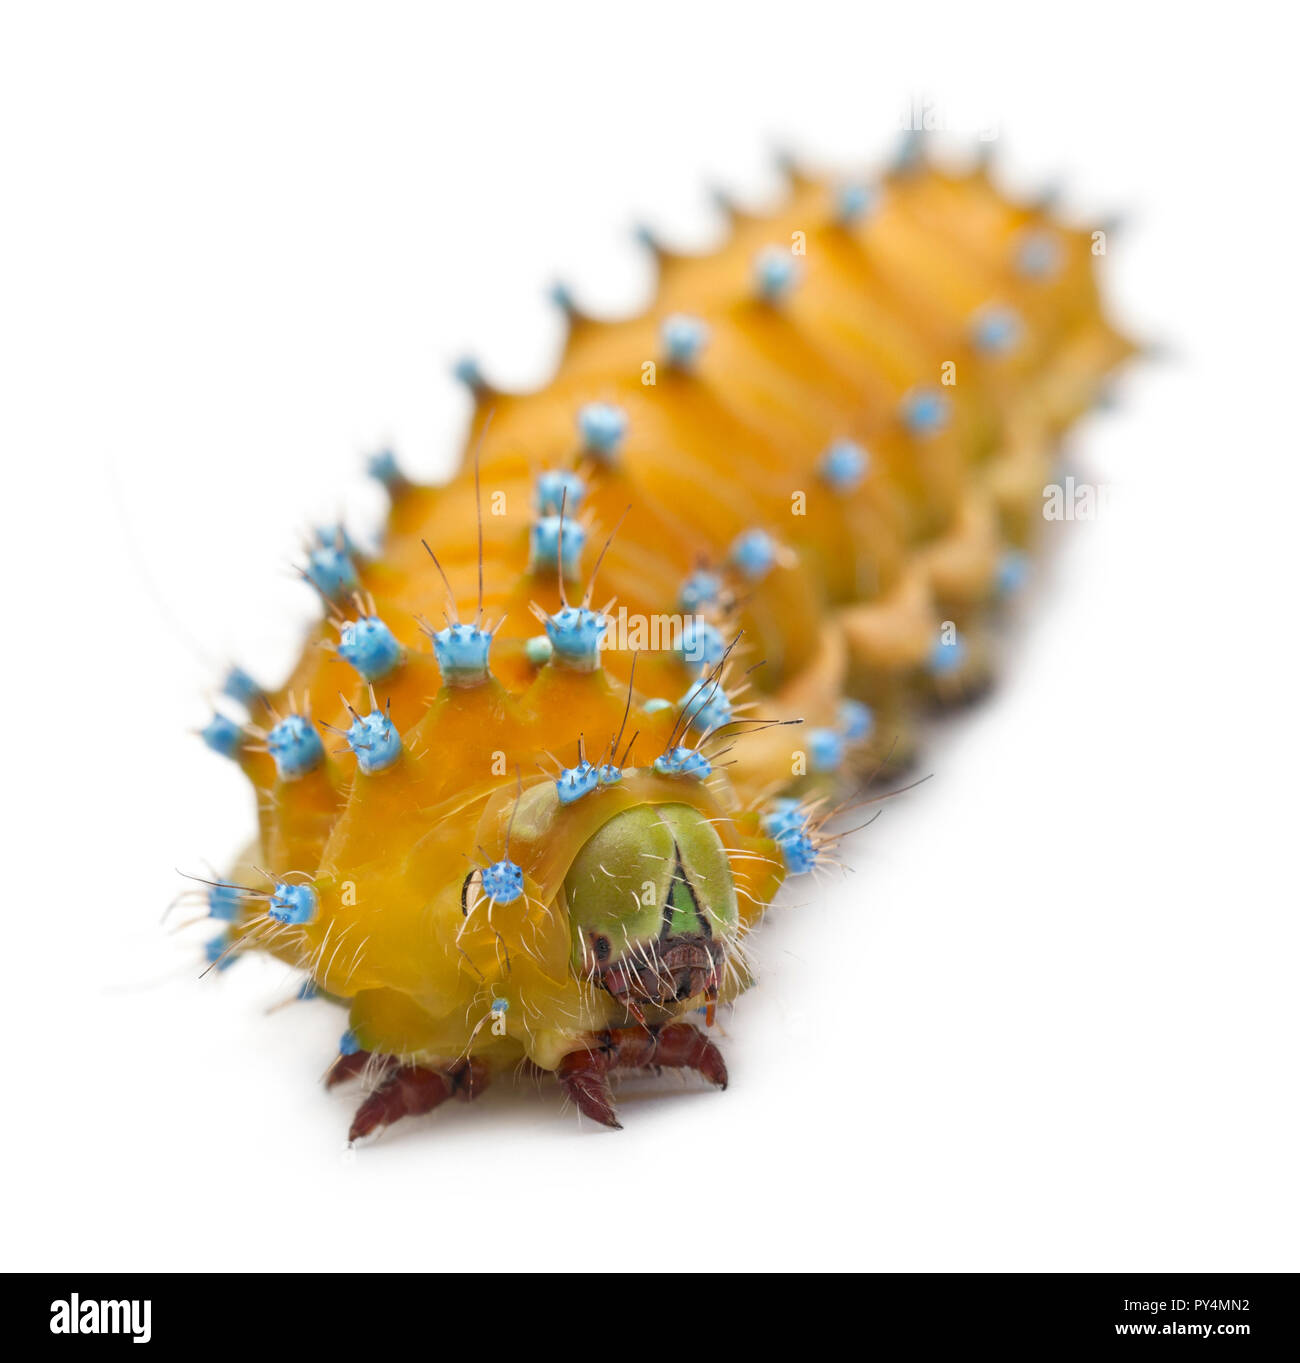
(552, 751)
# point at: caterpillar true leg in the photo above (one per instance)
(584, 1075)
(411, 1090)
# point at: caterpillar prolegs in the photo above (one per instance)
(550, 753)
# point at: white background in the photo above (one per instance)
(1050, 1021)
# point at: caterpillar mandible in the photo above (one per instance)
(551, 753)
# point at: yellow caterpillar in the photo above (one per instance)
(551, 753)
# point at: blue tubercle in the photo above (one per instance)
(214, 951)
(503, 882)
(925, 411)
(753, 552)
(239, 686)
(787, 823)
(1012, 571)
(855, 720)
(575, 782)
(466, 371)
(225, 902)
(296, 747)
(348, 1043)
(853, 203)
(558, 488)
(799, 851)
(608, 774)
(1039, 255)
(844, 465)
(500, 1007)
(222, 735)
(375, 740)
(706, 704)
(384, 468)
(701, 645)
(551, 535)
(603, 427)
(775, 273)
(996, 329)
(335, 537)
(684, 338)
(825, 749)
(947, 654)
(293, 904)
(702, 588)
(575, 633)
(462, 654)
(307, 991)
(682, 761)
(369, 646)
(332, 572)
(786, 818)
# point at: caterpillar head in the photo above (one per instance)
(652, 906)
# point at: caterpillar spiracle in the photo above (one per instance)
(551, 752)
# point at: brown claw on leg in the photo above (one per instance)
(346, 1067)
(682, 1047)
(584, 1075)
(410, 1090)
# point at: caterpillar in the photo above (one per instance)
(551, 752)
